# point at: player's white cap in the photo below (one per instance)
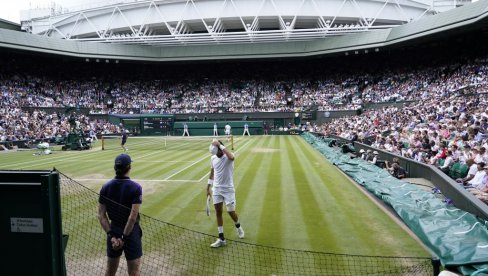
(213, 149)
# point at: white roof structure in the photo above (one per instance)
(208, 22)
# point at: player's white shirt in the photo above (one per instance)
(227, 129)
(223, 173)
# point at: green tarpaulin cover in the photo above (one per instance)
(458, 238)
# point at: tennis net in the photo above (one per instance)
(112, 142)
(174, 250)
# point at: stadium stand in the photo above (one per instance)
(444, 96)
(236, 87)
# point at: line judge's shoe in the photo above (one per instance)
(218, 243)
(240, 232)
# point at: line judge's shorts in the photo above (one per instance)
(132, 244)
(229, 198)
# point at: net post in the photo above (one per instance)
(436, 266)
(232, 142)
(103, 143)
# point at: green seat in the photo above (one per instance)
(460, 171)
(440, 162)
(454, 170)
(463, 171)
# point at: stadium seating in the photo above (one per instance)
(461, 172)
(454, 170)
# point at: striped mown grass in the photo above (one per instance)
(288, 195)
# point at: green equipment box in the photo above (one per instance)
(30, 215)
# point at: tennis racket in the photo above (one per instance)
(208, 205)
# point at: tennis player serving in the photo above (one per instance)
(221, 187)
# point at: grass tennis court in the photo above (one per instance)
(288, 195)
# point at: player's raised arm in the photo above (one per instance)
(227, 152)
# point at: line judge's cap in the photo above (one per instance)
(122, 160)
(375, 152)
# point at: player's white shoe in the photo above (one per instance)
(240, 232)
(218, 243)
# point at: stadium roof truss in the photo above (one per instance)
(472, 16)
(207, 22)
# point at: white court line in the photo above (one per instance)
(136, 180)
(55, 158)
(198, 161)
(76, 154)
(146, 155)
(199, 180)
(179, 171)
(62, 159)
(142, 161)
(66, 155)
(483, 246)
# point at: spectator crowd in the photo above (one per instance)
(19, 125)
(444, 121)
(226, 88)
(447, 127)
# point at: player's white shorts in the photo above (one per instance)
(227, 132)
(229, 198)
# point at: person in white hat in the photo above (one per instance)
(375, 158)
(363, 154)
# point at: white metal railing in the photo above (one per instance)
(233, 37)
(57, 9)
(98, 4)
